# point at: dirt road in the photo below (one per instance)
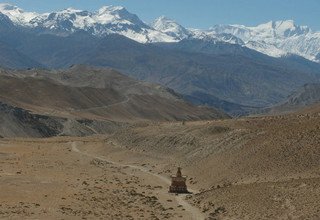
(195, 213)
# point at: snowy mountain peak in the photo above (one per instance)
(17, 15)
(274, 38)
(163, 22)
(288, 24)
(170, 27)
(107, 20)
(285, 28)
(164, 19)
(110, 9)
(67, 20)
(116, 14)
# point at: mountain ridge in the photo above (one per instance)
(226, 74)
(107, 20)
(83, 92)
(304, 97)
(274, 38)
(218, 71)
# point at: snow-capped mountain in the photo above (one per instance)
(276, 38)
(279, 38)
(5, 22)
(17, 15)
(209, 35)
(107, 20)
(171, 28)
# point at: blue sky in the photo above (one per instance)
(198, 13)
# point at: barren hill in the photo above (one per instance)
(17, 122)
(95, 94)
(249, 168)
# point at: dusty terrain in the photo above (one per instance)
(54, 179)
(248, 168)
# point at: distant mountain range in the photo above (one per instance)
(305, 96)
(275, 38)
(206, 67)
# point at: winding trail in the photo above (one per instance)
(195, 213)
(127, 99)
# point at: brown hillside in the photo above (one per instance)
(84, 101)
(250, 168)
(104, 94)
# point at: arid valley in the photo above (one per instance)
(154, 110)
(248, 168)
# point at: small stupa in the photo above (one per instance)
(178, 183)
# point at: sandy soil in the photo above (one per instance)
(62, 179)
